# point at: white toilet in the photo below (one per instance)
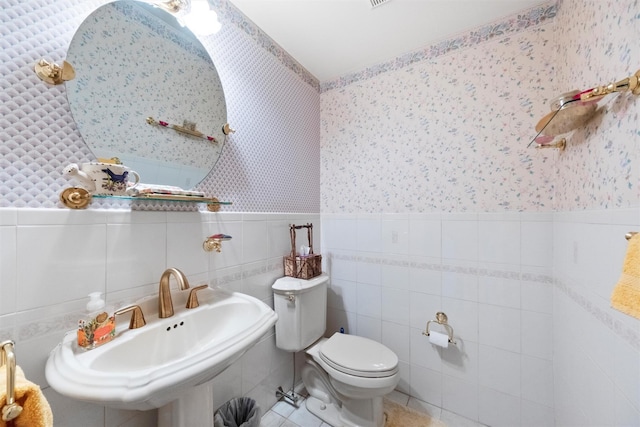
(346, 376)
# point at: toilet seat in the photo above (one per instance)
(355, 371)
(358, 356)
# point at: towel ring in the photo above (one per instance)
(441, 319)
(11, 409)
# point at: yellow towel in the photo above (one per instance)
(626, 294)
(36, 411)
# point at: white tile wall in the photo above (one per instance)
(396, 307)
(134, 253)
(596, 350)
(500, 370)
(460, 361)
(69, 257)
(537, 380)
(488, 272)
(501, 291)
(460, 240)
(395, 277)
(423, 354)
(459, 286)
(369, 300)
(426, 384)
(530, 311)
(510, 348)
(537, 334)
(499, 242)
(395, 235)
(509, 414)
(397, 338)
(536, 296)
(425, 281)
(369, 234)
(534, 415)
(460, 397)
(425, 237)
(537, 244)
(8, 272)
(367, 326)
(499, 327)
(368, 273)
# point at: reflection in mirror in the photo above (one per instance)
(135, 61)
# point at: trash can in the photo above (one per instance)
(238, 412)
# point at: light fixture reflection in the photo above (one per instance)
(174, 6)
(195, 14)
(201, 19)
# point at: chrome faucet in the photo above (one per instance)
(165, 305)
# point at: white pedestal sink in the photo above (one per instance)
(160, 363)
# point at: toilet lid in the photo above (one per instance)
(359, 356)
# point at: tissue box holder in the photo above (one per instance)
(302, 266)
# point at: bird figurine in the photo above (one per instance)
(74, 171)
(115, 177)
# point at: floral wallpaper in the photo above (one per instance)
(600, 166)
(446, 133)
(446, 128)
(510, 25)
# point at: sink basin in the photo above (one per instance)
(149, 367)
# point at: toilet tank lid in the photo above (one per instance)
(293, 285)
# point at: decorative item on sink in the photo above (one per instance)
(98, 327)
(306, 264)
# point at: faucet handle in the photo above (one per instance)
(192, 300)
(137, 317)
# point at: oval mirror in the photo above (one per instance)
(134, 61)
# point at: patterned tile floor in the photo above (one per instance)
(283, 414)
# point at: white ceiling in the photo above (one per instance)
(331, 38)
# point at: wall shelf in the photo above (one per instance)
(79, 198)
(574, 109)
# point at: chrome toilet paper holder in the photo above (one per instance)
(441, 319)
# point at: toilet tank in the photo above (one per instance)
(301, 306)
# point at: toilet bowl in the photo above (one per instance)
(346, 376)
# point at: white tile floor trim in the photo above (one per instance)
(283, 414)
